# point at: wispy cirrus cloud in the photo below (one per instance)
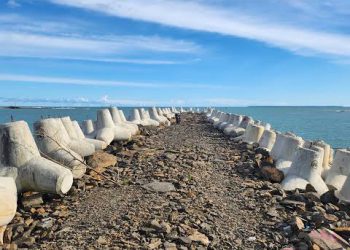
(199, 16)
(49, 39)
(107, 83)
(29, 44)
(75, 101)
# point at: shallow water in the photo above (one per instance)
(326, 123)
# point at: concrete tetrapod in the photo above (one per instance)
(343, 193)
(119, 122)
(284, 149)
(267, 126)
(35, 173)
(127, 123)
(267, 140)
(53, 141)
(230, 129)
(210, 113)
(99, 145)
(135, 117)
(146, 119)
(161, 119)
(229, 122)
(88, 128)
(306, 168)
(224, 121)
(216, 117)
(162, 114)
(340, 170)
(80, 146)
(253, 133)
(214, 114)
(169, 113)
(223, 118)
(327, 158)
(174, 110)
(240, 129)
(106, 129)
(8, 203)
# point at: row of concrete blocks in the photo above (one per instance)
(49, 161)
(302, 162)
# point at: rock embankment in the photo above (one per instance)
(186, 186)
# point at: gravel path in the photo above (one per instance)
(210, 198)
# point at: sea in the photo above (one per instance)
(331, 124)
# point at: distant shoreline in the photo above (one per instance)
(73, 107)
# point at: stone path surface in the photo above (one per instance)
(182, 187)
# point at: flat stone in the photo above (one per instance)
(161, 187)
(297, 223)
(46, 223)
(32, 200)
(170, 246)
(102, 240)
(199, 237)
(155, 243)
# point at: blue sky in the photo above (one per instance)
(174, 52)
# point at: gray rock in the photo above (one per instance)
(161, 187)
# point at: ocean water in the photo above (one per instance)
(32, 115)
(331, 124)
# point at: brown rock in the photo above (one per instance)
(331, 217)
(199, 237)
(315, 247)
(8, 234)
(155, 243)
(272, 174)
(297, 223)
(100, 161)
(12, 246)
(102, 240)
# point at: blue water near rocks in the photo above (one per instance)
(331, 124)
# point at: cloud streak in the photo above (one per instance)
(196, 15)
(48, 39)
(30, 44)
(78, 101)
(107, 83)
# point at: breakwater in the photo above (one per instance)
(186, 185)
(304, 121)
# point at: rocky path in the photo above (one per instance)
(182, 187)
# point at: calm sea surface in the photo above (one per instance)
(331, 124)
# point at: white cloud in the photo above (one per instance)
(76, 101)
(13, 4)
(25, 44)
(95, 82)
(46, 38)
(106, 100)
(198, 16)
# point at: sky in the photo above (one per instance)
(174, 52)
